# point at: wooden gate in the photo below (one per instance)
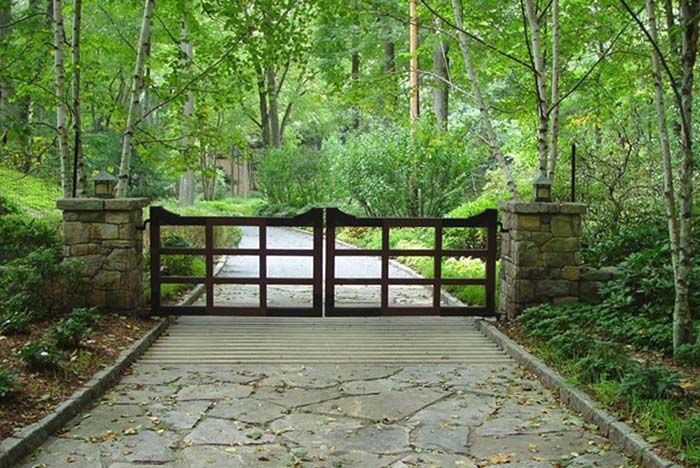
(487, 220)
(160, 217)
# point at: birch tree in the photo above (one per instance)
(679, 204)
(187, 180)
(134, 101)
(60, 95)
(79, 180)
(491, 139)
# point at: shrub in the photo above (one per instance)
(177, 265)
(294, 177)
(69, 333)
(8, 383)
(571, 344)
(21, 235)
(40, 283)
(8, 206)
(690, 431)
(15, 323)
(86, 315)
(607, 362)
(689, 354)
(649, 383)
(41, 355)
(546, 321)
(399, 171)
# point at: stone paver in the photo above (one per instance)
(328, 416)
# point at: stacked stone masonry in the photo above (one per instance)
(540, 254)
(106, 237)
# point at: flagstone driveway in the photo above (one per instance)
(328, 416)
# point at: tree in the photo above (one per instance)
(61, 98)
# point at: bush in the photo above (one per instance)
(399, 171)
(689, 354)
(571, 344)
(294, 177)
(21, 235)
(607, 362)
(177, 265)
(86, 315)
(40, 284)
(15, 323)
(75, 328)
(41, 355)
(649, 383)
(8, 206)
(690, 431)
(8, 383)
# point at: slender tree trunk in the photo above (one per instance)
(187, 180)
(682, 317)
(413, 60)
(554, 114)
(355, 77)
(80, 182)
(264, 114)
(136, 87)
(5, 88)
(540, 88)
(659, 100)
(389, 57)
(273, 108)
(491, 139)
(61, 107)
(441, 86)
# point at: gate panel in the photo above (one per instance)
(161, 217)
(337, 219)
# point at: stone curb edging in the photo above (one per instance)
(619, 433)
(26, 440)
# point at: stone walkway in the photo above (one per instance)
(328, 416)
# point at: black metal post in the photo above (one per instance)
(573, 173)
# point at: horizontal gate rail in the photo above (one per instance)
(337, 219)
(160, 217)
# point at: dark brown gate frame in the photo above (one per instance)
(161, 217)
(488, 220)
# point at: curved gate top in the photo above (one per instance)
(314, 220)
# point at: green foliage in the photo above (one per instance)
(59, 283)
(607, 361)
(16, 321)
(398, 171)
(69, 332)
(649, 383)
(8, 383)
(29, 193)
(8, 206)
(41, 355)
(22, 234)
(294, 177)
(690, 432)
(616, 245)
(177, 265)
(689, 354)
(571, 344)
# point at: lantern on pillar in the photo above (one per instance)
(543, 188)
(104, 184)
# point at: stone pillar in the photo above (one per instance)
(106, 237)
(540, 254)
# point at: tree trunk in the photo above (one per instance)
(389, 57)
(659, 100)
(413, 85)
(354, 77)
(491, 139)
(187, 180)
(264, 114)
(273, 108)
(682, 317)
(79, 180)
(540, 88)
(441, 85)
(61, 107)
(5, 88)
(554, 113)
(136, 87)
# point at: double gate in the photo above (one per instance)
(313, 221)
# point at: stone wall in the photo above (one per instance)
(591, 280)
(540, 254)
(105, 237)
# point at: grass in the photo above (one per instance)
(34, 195)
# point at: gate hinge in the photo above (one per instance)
(500, 228)
(143, 227)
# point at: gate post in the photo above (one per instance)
(540, 254)
(106, 237)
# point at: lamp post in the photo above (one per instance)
(104, 184)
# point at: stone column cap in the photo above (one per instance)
(100, 204)
(542, 207)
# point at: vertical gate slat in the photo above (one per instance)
(318, 263)
(263, 268)
(437, 269)
(209, 262)
(155, 258)
(491, 247)
(384, 294)
(330, 261)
